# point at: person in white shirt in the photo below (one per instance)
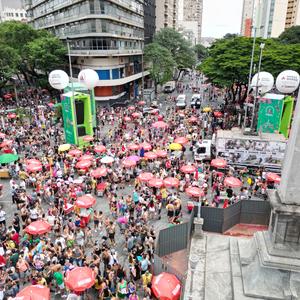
(2, 216)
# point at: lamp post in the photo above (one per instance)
(262, 46)
(143, 80)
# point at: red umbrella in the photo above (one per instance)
(218, 114)
(34, 292)
(273, 177)
(80, 279)
(88, 138)
(2, 261)
(136, 115)
(233, 182)
(218, 163)
(33, 161)
(38, 227)
(160, 124)
(161, 153)
(150, 155)
(6, 143)
(171, 182)
(156, 182)
(141, 102)
(166, 286)
(83, 164)
(131, 107)
(11, 116)
(34, 168)
(75, 152)
(99, 172)
(181, 140)
(85, 201)
(133, 147)
(127, 119)
(146, 146)
(128, 163)
(145, 177)
(188, 169)
(194, 192)
(86, 157)
(193, 119)
(99, 149)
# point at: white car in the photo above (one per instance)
(181, 102)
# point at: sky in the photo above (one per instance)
(221, 17)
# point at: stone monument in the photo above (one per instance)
(268, 266)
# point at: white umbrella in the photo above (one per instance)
(107, 160)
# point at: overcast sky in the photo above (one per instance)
(221, 17)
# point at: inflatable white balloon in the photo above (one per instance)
(287, 81)
(88, 77)
(58, 79)
(265, 82)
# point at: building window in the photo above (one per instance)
(104, 74)
(115, 73)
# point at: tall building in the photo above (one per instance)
(105, 35)
(270, 17)
(293, 13)
(190, 19)
(12, 10)
(149, 20)
(247, 18)
(166, 14)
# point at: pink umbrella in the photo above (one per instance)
(156, 182)
(11, 116)
(218, 114)
(51, 104)
(75, 152)
(127, 163)
(218, 163)
(88, 138)
(33, 161)
(181, 140)
(122, 220)
(83, 164)
(136, 115)
(134, 158)
(86, 157)
(38, 227)
(145, 177)
(99, 172)
(188, 169)
(171, 182)
(133, 147)
(2, 135)
(6, 143)
(232, 182)
(154, 111)
(131, 107)
(150, 155)
(146, 146)
(34, 168)
(127, 119)
(193, 119)
(160, 124)
(99, 149)
(85, 201)
(141, 102)
(161, 153)
(273, 177)
(194, 192)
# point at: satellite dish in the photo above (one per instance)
(89, 78)
(58, 79)
(265, 82)
(287, 82)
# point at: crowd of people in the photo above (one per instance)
(118, 243)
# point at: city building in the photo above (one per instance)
(166, 14)
(12, 10)
(149, 20)
(247, 18)
(293, 13)
(270, 17)
(105, 35)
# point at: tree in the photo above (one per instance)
(230, 35)
(161, 63)
(9, 61)
(180, 48)
(201, 51)
(291, 35)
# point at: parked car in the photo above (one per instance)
(181, 102)
(169, 87)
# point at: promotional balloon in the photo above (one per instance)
(265, 82)
(88, 77)
(58, 79)
(287, 82)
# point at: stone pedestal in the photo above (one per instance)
(198, 224)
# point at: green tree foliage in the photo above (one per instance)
(38, 50)
(291, 35)
(201, 51)
(181, 50)
(228, 62)
(161, 63)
